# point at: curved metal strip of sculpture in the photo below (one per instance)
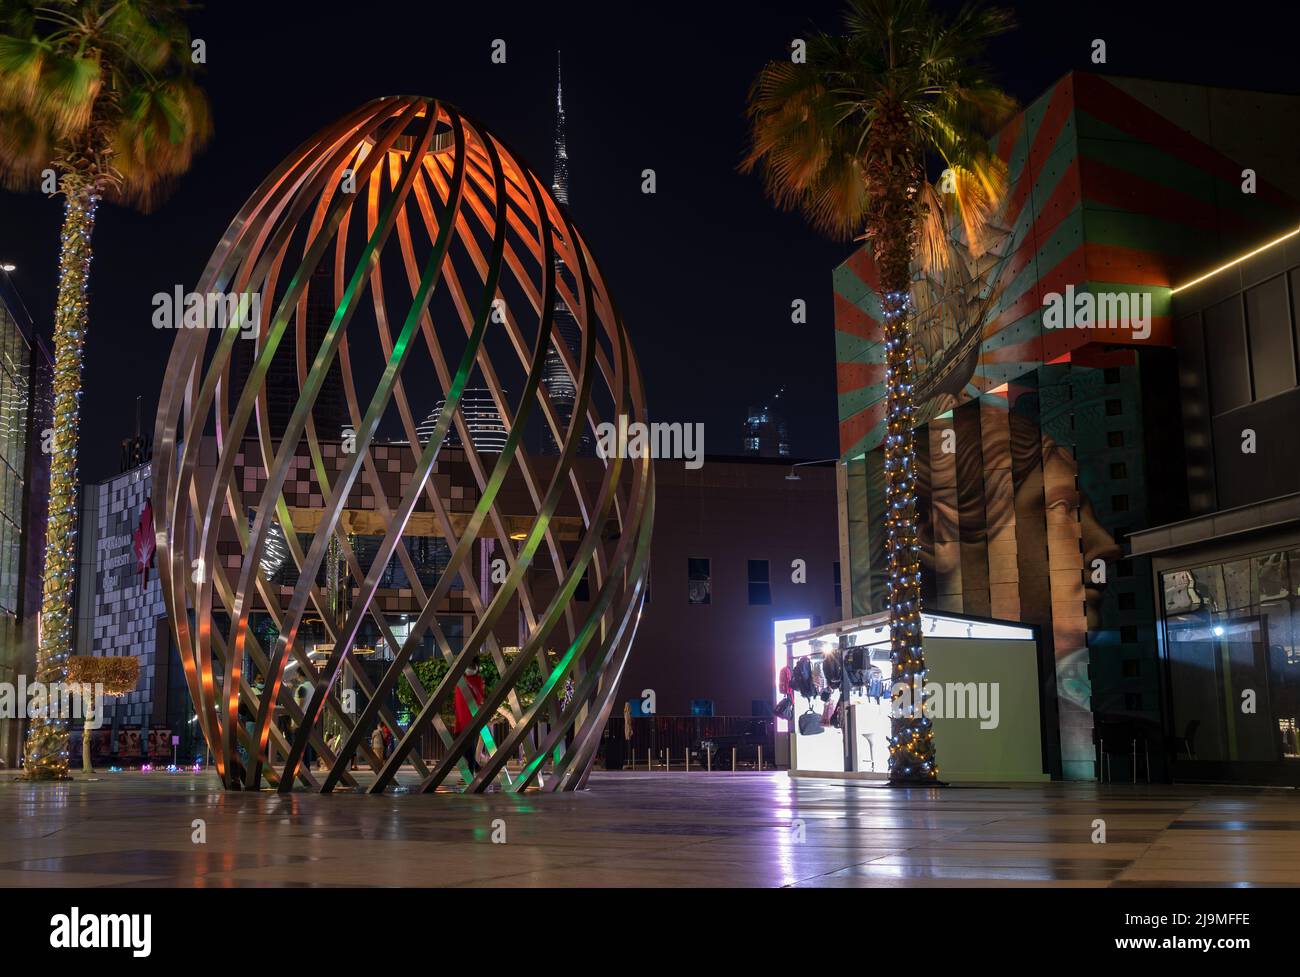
(406, 190)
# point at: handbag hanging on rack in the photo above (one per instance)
(810, 724)
(784, 709)
(801, 679)
(828, 711)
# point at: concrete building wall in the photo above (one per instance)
(730, 512)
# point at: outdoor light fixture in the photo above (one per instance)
(8, 267)
(793, 476)
(436, 194)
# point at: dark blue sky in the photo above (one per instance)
(704, 271)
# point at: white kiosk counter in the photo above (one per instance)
(981, 691)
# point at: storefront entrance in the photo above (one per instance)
(1233, 668)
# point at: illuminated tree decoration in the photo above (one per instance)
(443, 254)
(46, 750)
(114, 675)
(97, 95)
(845, 137)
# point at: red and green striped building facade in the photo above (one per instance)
(1062, 441)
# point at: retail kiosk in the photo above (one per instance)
(981, 690)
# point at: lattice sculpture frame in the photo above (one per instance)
(414, 180)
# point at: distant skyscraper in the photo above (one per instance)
(559, 384)
(765, 433)
(282, 391)
(486, 429)
(560, 171)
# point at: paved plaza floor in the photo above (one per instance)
(647, 829)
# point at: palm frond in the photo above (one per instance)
(22, 61)
(26, 149)
(106, 87)
(815, 127)
(66, 93)
(158, 132)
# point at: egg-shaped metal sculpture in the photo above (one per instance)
(397, 259)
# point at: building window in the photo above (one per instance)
(698, 582)
(1231, 626)
(1115, 439)
(1118, 469)
(1227, 356)
(1114, 408)
(1268, 328)
(760, 585)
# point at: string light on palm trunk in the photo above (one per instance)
(911, 743)
(46, 749)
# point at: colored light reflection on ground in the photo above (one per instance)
(645, 829)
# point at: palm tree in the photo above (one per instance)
(97, 100)
(845, 136)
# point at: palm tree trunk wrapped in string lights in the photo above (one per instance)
(844, 135)
(46, 755)
(99, 95)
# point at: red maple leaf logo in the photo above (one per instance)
(143, 542)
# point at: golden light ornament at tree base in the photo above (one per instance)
(111, 675)
(459, 258)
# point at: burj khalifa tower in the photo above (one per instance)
(560, 386)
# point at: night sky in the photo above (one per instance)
(704, 271)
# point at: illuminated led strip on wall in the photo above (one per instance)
(1236, 261)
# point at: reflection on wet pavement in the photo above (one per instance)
(646, 829)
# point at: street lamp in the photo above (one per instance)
(794, 476)
(8, 268)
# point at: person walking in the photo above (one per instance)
(464, 717)
(377, 741)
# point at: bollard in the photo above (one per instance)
(733, 759)
(760, 759)
(708, 761)
(668, 760)
(688, 759)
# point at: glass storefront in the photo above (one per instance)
(15, 369)
(1232, 644)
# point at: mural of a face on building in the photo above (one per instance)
(1016, 473)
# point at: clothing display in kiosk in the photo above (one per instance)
(817, 682)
